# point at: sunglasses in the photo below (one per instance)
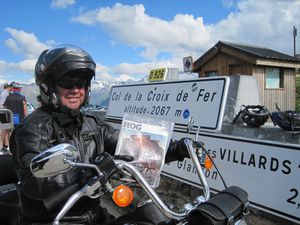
(70, 84)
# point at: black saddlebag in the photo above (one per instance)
(225, 208)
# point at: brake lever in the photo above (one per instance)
(88, 190)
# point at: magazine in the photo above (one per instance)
(147, 140)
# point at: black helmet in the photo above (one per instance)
(6, 85)
(56, 62)
(287, 120)
(253, 115)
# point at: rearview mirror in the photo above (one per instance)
(53, 161)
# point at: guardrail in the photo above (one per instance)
(10, 124)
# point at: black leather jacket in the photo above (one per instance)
(38, 132)
(41, 130)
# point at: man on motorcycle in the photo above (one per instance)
(64, 75)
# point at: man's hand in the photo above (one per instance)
(177, 151)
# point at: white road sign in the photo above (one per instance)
(173, 101)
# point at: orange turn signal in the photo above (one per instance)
(122, 196)
(208, 163)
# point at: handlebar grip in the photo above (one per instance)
(60, 196)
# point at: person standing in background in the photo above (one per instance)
(4, 116)
(16, 102)
(7, 87)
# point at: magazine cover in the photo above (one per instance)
(147, 140)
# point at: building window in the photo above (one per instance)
(274, 78)
(211, 73)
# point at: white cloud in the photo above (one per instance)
(24, 66)
(101, 69)
(24, 43)
(267, 23)
(61, 4)
(129, 71)
(104, 76)
(135, 72)
(133, 69)
(104, 73)
(142, 69)
(228, 3)
(130, 25)
(2, 81)
(126, 77)
(29, 47)
(8, 70)
(109, 77)
(3, 69)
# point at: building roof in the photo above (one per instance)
(255, 52)
(259, 51)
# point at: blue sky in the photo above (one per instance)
(129, 38)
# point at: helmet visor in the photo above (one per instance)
(71, 83)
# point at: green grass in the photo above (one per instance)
(298, 92)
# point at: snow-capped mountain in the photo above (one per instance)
(100, 91)
(30, 91)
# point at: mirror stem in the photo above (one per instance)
(73, 164)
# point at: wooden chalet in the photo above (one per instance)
(275, 71)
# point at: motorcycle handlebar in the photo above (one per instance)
(89, 189)
(189, 144)
(154, 196)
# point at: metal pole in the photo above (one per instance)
(294, 37)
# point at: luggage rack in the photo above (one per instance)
(9, 125)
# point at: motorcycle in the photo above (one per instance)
(114, 179)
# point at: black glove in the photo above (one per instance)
(177, 151)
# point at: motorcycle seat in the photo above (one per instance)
(10, 175)
(9, 208)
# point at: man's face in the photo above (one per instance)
(71, 91)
